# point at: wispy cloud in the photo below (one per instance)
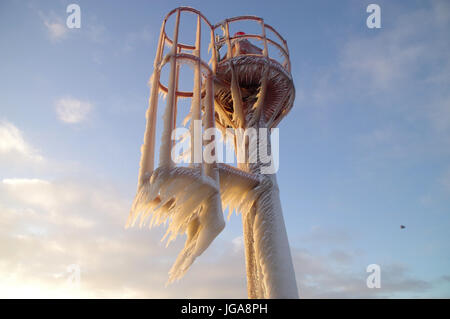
(335, 276)
(12, 143)
(71, 110)
(48, 225)
(402, 72)
(56, 30)
(54, 25)
(38, 221)
(390, 61)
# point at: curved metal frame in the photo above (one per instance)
(191, 54)
(166, 40)
(175, 57)
(283, 48)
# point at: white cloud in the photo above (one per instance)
(401, 56)
(391, 63)
(54, 25)
(40, 237)
(72, 110)
(238, 243)
(56, 30)
(47, 225)
(24, 181)
(401, 72)
(334, 276)
(13, 143)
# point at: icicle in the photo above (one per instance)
(238, 114)
(187, 118)
(259, 105)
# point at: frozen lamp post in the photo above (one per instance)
(242, 89)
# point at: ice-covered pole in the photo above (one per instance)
(148, 148)
(272, 246)
(165, 159)
(195, 131)
(270, 271)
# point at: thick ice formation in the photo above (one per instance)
(270, 272)
(168, 197)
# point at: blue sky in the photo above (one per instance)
(364, 150)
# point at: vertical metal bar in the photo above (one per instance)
(288, 57)
(227, 36)
(196, 144)
(148, 148)
(214, 52)
(177, 78)
(166, 142)
(265, 52)
(238, 114)
(259, 104)
(210, 123)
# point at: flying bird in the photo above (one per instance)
(402, 226)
